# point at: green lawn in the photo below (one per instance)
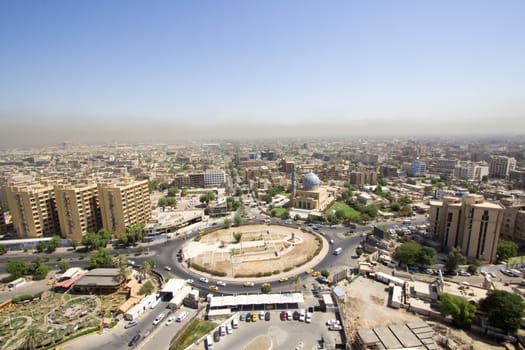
(349, 212)
(195, 330)
(279, 211)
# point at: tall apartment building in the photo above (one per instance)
(513, 227)
(469, 223)
(214, 178)
(471, 171)
(362, 178)
(501, 166)
(33, 210)
(123, 204)
(78, 210)
(446, 166)
(197, 180)
(418, 169)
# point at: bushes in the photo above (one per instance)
(210, 271)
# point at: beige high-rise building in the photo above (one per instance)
(3, 226)
(78, 210)
(513, 227)
(501, 166)
(123, 204)
(33, 210)
(469, 223)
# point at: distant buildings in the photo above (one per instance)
(469, 223)
(513, 226)
(3, 226)
(418, 169)
(362, 178)
(501, 166)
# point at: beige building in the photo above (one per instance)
(123, 204)
(311, 196)
(501, 166)
(78, 210)
(3, 226)
(362, 178)
(470, 223)
(33, 210)
(513, 227)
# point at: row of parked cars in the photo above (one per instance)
(225, 328)
(298, 315)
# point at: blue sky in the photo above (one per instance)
(283, 62)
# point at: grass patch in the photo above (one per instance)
(195, 330)
(279, 212)
(348, 212)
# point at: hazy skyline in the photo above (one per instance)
(145, 70)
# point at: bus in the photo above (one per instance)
(16, 283)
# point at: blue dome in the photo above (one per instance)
(311, 181)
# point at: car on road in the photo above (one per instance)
(167, 268)
(316, 274)
(131, 324)
(465, 273)
(331, 241)
(309, 271)
(248, 284)
(221, 283)
(170, 320)
(322, 280)
(203, 280)
(182, 316)
(283, 279)
(134, 340)
(215, 288)
(189, 281)
(159, 318)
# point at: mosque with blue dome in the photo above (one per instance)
(311, 196)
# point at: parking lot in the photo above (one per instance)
(293, 334)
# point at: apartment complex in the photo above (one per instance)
(501, 166)
(513, 227)
(33, 209)
(123, 204)
(418, 169)
(78, 210)
(362, 178)
(207, 179)
(469, 223)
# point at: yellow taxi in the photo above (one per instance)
(215, 288)
(316, 274)
(309, 271)
(167, 268)
(283, 279)
(248, 284)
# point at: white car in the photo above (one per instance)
(159, 318)
(189, 281)
(170, 320)
(221, 283)
(302, 315)
(261, 315)
(308, 318)
(492, 274)
(332, 322)
(229, 329)
(203, 280)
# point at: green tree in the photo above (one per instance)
(358, 251)
(63, 266)
(153, 185)
(207, 197)
(173, 191)
(266, 288)
(3, 250)
(41, 271)
(74, 244)
(101, 259)
(461, 310)
(405, 200)
(505, 310)
(426, 256)
(227, 222)
(17, 268)
(506, 249)
(407, 253)
(145, 269)
(53, 244)
(40, 247)
(237, 236)
(473, 269)
(395, 206)
(140, 250)
(325, 273)
(147, 288)
(454, 259)
(237, 220)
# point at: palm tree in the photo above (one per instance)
(32, 339)
(145, 268)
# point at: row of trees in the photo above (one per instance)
(21, 268)
(504, 310)
(414, 254)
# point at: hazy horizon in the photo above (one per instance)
(172, 70)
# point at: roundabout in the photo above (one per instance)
(254, 251)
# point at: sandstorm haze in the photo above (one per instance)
(169, 71)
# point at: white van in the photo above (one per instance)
(182, 316)
(209, 343)
(235, 323)
(338, 251)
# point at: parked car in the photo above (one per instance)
(267, 316)
(182, 316)
(229, 329)
(254, 316)
(261, 315)
(159, 318)
(282, 315)
(134, 340)
(492, 274)
(248, 317)
(296, 316)
(336, 327)
(332, 322)
(222, 329)
(217, 336)
(308, 317)
(289, 315)
(302, 315)
(465, 274)
(131, 324)
(170, 320)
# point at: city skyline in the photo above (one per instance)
(162, 71)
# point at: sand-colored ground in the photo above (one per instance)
(263, 250)
(262, 342)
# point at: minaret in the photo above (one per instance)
(293, 183)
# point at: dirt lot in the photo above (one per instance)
(263, 249)
(366, 307)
